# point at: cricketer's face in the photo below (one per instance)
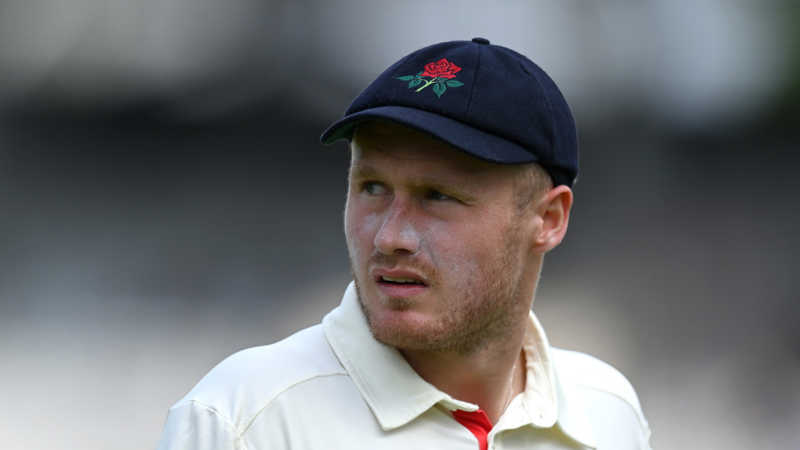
(438, 248)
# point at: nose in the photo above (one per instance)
(397, 234)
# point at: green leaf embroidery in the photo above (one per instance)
(439, 89)
(454, 83)
(405, 77)
(415, 82)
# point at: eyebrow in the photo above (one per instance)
(363, 171)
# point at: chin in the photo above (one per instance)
(394, 322)
(403, 336)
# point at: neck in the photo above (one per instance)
(489, 377)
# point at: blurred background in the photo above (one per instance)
(165, 201)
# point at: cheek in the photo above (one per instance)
(452, 250)
(467, 254)
(360, 228)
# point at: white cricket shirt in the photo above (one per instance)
(333, 386)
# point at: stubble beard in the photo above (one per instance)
(485, 310)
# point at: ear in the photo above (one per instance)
(553, 210)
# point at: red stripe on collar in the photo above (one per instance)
(477, 422)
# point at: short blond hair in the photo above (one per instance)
(530, 184)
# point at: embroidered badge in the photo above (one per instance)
(440, 74)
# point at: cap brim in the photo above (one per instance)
(471, 140)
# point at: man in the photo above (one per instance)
(463, 155)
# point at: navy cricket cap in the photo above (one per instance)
(486, 100)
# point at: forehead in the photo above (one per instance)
(400, 146)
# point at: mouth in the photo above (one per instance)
(400, 280)
(399, 283)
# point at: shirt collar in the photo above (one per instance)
(391, 388)
(372, 365)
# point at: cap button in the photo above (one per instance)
(480, 40)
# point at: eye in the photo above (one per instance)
(433, 194)
(373, 188)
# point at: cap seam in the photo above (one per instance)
(474, 83)
(549, 106)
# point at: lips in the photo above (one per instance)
(399, 282)
(399, 276)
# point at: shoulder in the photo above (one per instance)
(599, 402)
(243, 384)
(587, 373)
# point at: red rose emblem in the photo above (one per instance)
(438, 74)
(441, 69)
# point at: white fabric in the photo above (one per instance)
(333, 386)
